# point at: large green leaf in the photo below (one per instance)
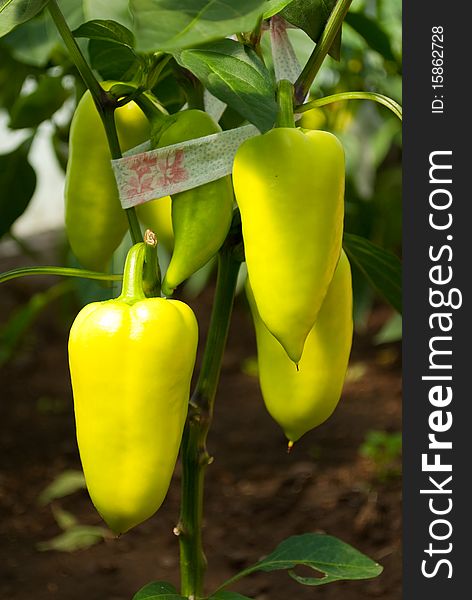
(12, 77)
(273, 7)
(34, 41)
(113, 61)
(32, 109)
(158, 590)
(372, 33)
(118, 10)
(236, 75)
(15, 12)
(106, 30)
(311, 16)
(381, 268)
(111, 48)
(324, 553)
(170, 25)
(17, 185)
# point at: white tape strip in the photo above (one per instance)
(165, 171)
(213, 106)
(286, 63)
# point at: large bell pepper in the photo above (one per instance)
(289, 186)
(301, 398)
(131, 361)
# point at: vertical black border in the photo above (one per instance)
(425, 132)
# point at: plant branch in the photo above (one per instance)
(333, 25)
(104, 102)
(61, 271)
(195, 457)
(380, 98)
(75, 52)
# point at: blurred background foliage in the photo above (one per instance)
(39, 87)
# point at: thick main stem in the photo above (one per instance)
(107, 114)
(333, 25)
(104, 104)
(74, 51)
(195, 457)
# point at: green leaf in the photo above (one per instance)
(381, 268)
(236, 75)
(170, 25)
(17, 185)
(32, 109)
(105, 30)
(35, 41)
(372, 32)
(104, 9)
(113, 61)
(391, 331)
(78, 537)
(111, 49)
(63, 518)
(324, 553)
(273, 7)
(14, 12)
(12, 77)
(65, 484)
(158, 590)
(228, 596)
(311, 16)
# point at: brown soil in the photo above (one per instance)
(256, 494)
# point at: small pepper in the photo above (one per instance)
(201, 216)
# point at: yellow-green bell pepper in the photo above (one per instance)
(131, 360)
(289, 186)
(301, 398)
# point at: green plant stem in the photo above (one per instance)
(333, 25)
(151, 107)
(132, 288)
(104, 102)
(107, 114)
(380, 98)
(285, 102)
(61, 271)
(195, 457)
(75, 52)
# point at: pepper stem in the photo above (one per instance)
(132, 289)
(151, 274)
(285, 102)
